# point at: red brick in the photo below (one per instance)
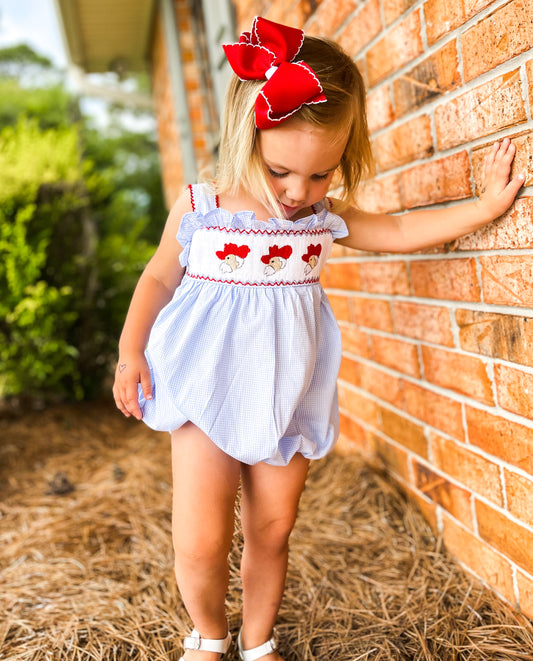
(340, 307)
(519, 490)
(463, 374)
(341, 275)
(434, 76)
(361, 29)
(529, 72)
(525, 593)
(404, 431)
(479, 557)
(505, 439)
(380, 383)
(507, 280)
(488, 108)
(379, 108)
(443, 17)
(361, 65)
(454, 499)
(354, 340)
(380, 195)
(423, 322)
(405, 143)
(436, 410)
(502, 336)
(352, 436)
(395, 49)
(277, 13)
(296, 15)
(347, 446)
(442, 180)
(452, 279)
(349, 370)
(359, 407)
(512, 230)
(498, 335)
(392, 9)
(329, 16)
(510, 538)
(514, 390)
(427, 507)
(392, 457)
(505, 33)
(474, 471)
(396, 354)
(372, 313)
(385, 277)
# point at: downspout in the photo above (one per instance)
(178, 90)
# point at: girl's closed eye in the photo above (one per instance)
(275, 173)
(279, 175)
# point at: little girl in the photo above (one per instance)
(230, 343)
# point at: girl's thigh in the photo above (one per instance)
(205, 482)
(271, 495)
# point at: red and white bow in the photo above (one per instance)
(267, 52)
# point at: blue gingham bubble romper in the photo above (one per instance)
(249, 349)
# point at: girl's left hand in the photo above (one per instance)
(498, 192)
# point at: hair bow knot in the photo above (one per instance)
(267, 52)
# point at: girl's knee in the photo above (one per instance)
(272, 535)
(195, 551)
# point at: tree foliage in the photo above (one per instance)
(80, 212)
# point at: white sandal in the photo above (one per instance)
(195, 642)
(257, 652)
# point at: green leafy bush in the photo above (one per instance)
(36, 316)
(75, 233)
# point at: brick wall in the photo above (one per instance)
(168, 138)
(200, 101)
(437, 375)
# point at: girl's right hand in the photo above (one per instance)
(129, 373)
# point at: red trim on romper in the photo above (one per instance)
(193, 205)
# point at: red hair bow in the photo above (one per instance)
(267, 53)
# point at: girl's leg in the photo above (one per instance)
(269, 506)
(205, 482)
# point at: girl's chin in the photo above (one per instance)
(289, 211)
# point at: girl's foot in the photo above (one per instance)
(204, 649)
(265, 652)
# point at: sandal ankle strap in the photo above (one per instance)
(195, 642)
(257, 652)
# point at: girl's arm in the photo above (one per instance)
(417, 230)
(154, 290)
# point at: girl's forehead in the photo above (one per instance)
(295, 142)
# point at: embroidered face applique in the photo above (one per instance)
(232, 257)
(311, 257)
(276, 259)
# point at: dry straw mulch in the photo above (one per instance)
(86, 558)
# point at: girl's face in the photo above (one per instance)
(300, 160)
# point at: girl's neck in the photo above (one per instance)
(244, 201)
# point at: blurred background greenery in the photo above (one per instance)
(81, 209)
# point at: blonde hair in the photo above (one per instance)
(240, 164)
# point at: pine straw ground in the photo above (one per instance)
(86, 558)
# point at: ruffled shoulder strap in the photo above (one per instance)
(202, 199)
(331, 221)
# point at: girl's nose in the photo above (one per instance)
(296, 192)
